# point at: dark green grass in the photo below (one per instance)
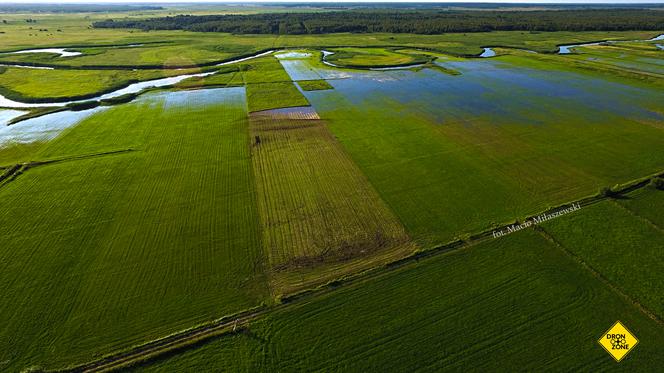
(648, 204)
(314, 85)
(513, 304)
(621, 246)
(107, 252)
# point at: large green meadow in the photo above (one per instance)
(512, 304)
(107, 251)
(290, 185)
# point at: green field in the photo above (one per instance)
(497, 158)
(517, 303)
(131, 246)
(374, 57)
(36, 85)
(314, 85)
(343, 202)
(624, 247)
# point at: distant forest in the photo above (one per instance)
(414, 22)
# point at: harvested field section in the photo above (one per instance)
(316, 207)
(134, 246)
(304, 112)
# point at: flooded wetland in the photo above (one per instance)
(254, 190)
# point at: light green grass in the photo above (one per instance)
(38, 85)
(624, 248)
(264, 96)
(314, 85)
(374, 57)
(269, 86)
(517, 303)
(223, 79)
(264, 70)
(130, 247)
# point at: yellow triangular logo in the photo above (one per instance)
(618, 341)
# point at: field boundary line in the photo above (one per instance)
(14, 171)
(547, 236)
(642, 218)
(181, 340)
(78, 157)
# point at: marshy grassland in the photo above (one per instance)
(345, 212)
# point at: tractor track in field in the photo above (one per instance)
(182, 340)
(12, 172)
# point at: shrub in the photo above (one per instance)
(607, 192)
(657, 183)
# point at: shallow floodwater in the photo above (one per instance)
(292, 54)
(197, 98)
(245, 58)
(138, 87)
(61, 51)
(29, 67)
(7, 115)
(487, 88)
(132, 88)
(49, 126)
(488, 52)
(43, 128)
(566, 49)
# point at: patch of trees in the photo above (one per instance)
(413, 22)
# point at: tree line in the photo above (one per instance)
(414, 22)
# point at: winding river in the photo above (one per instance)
(132, 88)
(488, 52)
(567, 49)
(61, 51)
(140, 86)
